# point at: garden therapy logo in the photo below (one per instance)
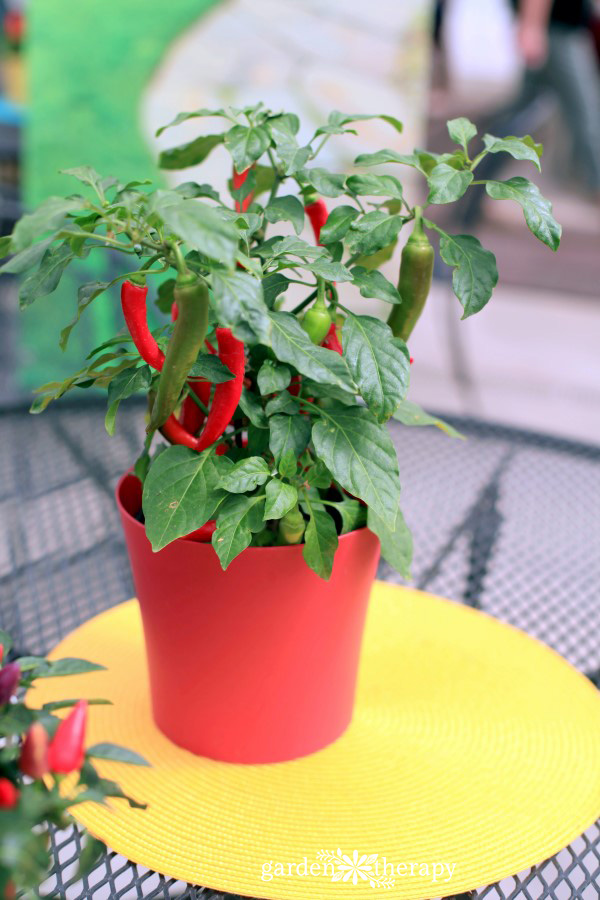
(356, 868)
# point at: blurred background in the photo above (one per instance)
(90, 83)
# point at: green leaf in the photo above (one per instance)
(374, 261)
(396, 544)
(446, 184)
(375, 186)
(48, 217)
(411, 414)
(189, 190)
(352, 513)
(378, 366)
(210, 368)
(325, 268)
(288, 434)
(27, 258)
(372, 232)
(536, 208)
(46, 279)
(274, 285)
(287, 464)
(281, 497)
(519, 148)
(123, 385)
(273, 377)
(240, 306)
(283, 403)
(245, 475)
(87, 175)
(320, 541)
(324, 182)
(65, 704)
(116, 753)
(337, 120)
(374, 284)
(461, 131)
(475, 274)
(252, 409)
(337, 224)
(199, 225)
(190, 154)
(247, 144)
(196, 114)
(239, 518)
(85, 294)
(383, 157)
(361, 457)
(287, 208)
(60, 667)
(292, 345)
(181, 493)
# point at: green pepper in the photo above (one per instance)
(191, 296)
(291, 527)
(317, 320)
(416, 270)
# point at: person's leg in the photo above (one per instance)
(573, 71)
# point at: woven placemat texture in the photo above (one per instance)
(474, 752)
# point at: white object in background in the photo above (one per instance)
(482, 58)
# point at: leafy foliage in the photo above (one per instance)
(309, 432)
(32, 796)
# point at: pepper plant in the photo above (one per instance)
(267, 420)
(37, 751)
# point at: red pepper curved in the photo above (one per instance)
(227, 394)
(133, 304)
(225, 400)
(317, 213)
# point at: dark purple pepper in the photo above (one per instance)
(10, 676)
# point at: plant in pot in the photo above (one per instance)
(268, 483)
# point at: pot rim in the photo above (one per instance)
(135, 523)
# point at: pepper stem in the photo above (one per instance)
(180, 265)
(320, 291)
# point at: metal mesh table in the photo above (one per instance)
(506, 521)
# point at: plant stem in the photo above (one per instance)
(304, 303)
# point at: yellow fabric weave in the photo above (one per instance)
(471, 744)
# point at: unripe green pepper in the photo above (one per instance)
(291, 527)
(317, 320)
(416, 271)
(191, 296)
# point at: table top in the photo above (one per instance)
(506, 521)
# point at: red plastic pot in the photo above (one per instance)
(256, 664)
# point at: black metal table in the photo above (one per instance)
(507, 521)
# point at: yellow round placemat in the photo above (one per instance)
(474, 752)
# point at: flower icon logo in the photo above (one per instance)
(355, 868)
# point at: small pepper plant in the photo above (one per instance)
(37, 751)
(267, 425)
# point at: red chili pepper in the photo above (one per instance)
(332, 341)
(9, 794)
(317, 213)
(33, 760)
(10, 676)
(133, 303)
(227, 394)
(66, 751)
(238, 180)
(225, 399)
